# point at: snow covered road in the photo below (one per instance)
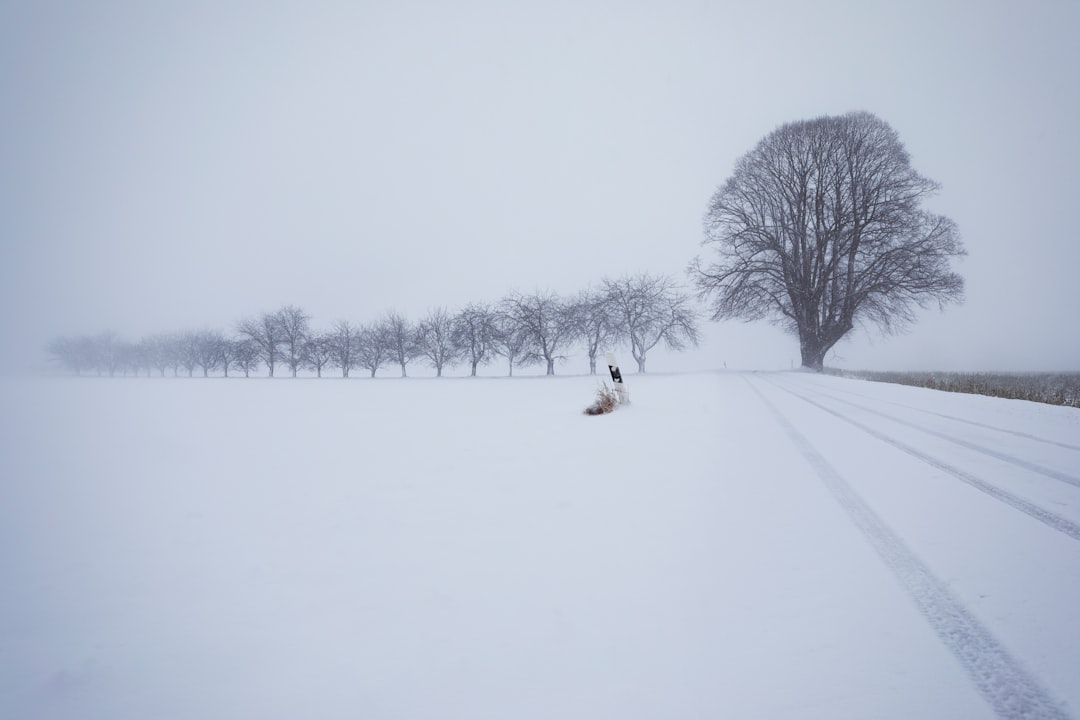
(758, 545)
(1001, 678)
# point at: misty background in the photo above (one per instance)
(182, 166)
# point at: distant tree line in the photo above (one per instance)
(642, 311)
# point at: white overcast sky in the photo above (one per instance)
(179, 165)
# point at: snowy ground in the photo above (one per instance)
(733, 545)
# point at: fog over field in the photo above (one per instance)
(224, 188)
(183, 167)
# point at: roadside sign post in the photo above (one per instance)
(621, 390)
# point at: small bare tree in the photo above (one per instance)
(372, 348)
(510, 341)
(108, 353)
(434, 339)
(474, 333)
(189, 352)
(159, 351)
(206, 349)
(344, 342)
(546, 322)
(246, 355)
(134, 358)
(227, 354)
(318, 352)
(265, 334)
(398, 336)
(650, 309)
(597, 324)
(75, 354)
(295, 331)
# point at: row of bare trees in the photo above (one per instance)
(641, 311)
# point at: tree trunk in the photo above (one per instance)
(551, 366)
(592, 364)
(638, 358)
(813, 353)
(474, 369)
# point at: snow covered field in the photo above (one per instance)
(733, 545)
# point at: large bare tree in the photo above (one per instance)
(822, 226)
(648, 310)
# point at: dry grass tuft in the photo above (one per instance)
(606, 401)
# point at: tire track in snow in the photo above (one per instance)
(1048, 518)
(1003, 682)
(1004, 457)
(1017, 433)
